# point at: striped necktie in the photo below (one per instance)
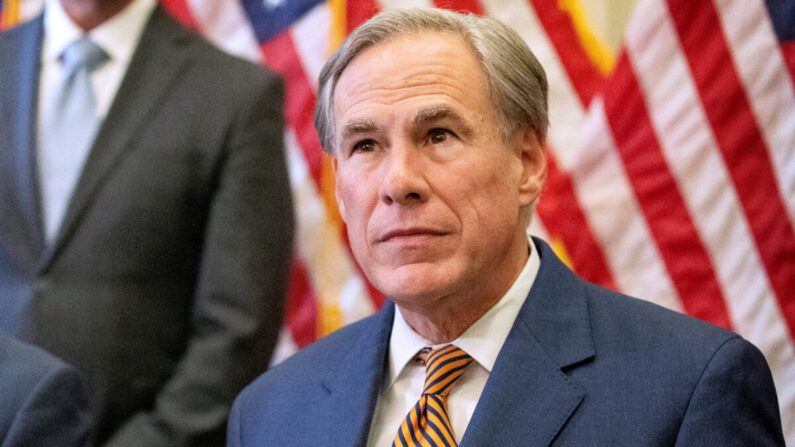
(428, 423)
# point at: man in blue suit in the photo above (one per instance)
(437, 124)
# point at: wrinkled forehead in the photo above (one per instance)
(427, 36)
(420, 64)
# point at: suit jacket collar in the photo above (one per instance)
(355, 383)
(18, 108)
(556, 311)
(529, 397)
(155, 66)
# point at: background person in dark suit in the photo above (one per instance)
(44, 401)
(437, 123)
(154, 259)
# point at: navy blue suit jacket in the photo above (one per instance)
(43, 401)
(582, 365)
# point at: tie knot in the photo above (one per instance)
(83, 53)
(443, 367)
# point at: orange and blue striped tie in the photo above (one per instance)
(428, 423)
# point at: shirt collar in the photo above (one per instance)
(118, 36)
(483, 340)
(59, 30)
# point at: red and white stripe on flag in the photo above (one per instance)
(672, 172)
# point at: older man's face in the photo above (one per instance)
(429, 190)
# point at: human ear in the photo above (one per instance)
(337, 194)
(533, 154)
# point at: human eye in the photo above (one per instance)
(439, 135)
(367, 145)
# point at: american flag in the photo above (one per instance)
(672, 173)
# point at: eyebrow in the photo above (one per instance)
(439, 112)
(358, 127)
(422, 117)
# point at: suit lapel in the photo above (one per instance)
(353, 386)
(158, 60)
(528, 397)
(19, 115)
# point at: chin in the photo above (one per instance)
(415, 284)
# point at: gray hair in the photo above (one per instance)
(517, 83)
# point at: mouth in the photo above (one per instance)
(410, 233)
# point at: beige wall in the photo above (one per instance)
(608, 18)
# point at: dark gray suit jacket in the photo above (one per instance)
(582, 366)
(44, 401)
(165, 283)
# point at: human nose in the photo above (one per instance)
(404, 180)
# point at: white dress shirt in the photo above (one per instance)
(482, 341)
(59, 168)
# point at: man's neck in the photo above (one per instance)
(88, 14)
(441, 325)
(444, 319)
